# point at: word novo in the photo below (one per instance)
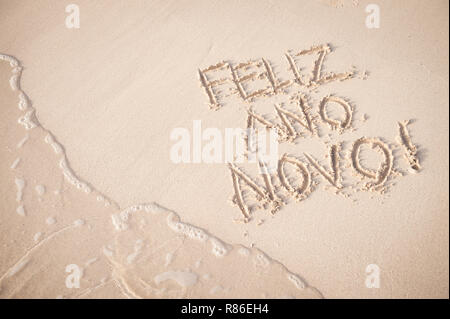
(194, 309)
(267, 194)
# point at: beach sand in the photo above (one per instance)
(86, 177)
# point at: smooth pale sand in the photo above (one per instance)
(112, 91)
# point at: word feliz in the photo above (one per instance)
(243, 73)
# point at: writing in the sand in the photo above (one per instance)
(298, 176)
(244, 73)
